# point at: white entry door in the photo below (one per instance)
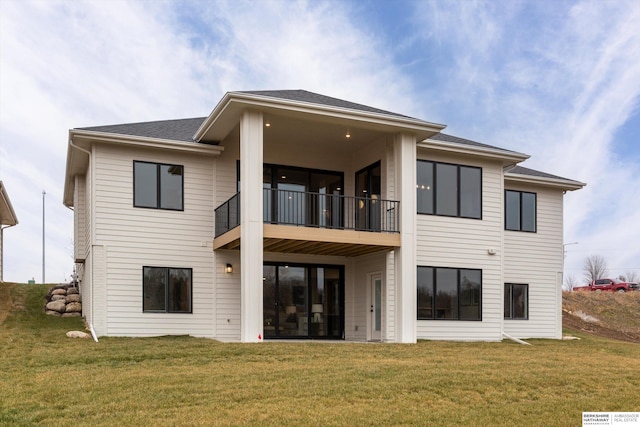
(376, 307)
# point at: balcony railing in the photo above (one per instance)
(317, 210)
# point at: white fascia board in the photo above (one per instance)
(508, 157)
(232, 99)
(564, 184)
(140, 141)
(7, 207)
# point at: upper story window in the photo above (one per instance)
(449, 190)
(158, 186)
(520, 211)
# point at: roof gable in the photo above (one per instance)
(318, 99)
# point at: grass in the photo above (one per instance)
(48, 379)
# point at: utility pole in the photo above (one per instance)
(43, 194)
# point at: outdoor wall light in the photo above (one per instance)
(228, 268)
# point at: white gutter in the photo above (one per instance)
(79, 148)
(565, 184)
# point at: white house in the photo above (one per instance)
(289, 214)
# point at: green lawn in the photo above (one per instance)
(49, 379)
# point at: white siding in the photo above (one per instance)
(137, 237)
(98, 300)
(360, 297)
(389, 332)
(536, 259)
(227, 296)
(80, 218)
(463, 243)
(84, 276)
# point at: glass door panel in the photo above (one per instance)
(333, 297)
(269, 306)
(292, 301)
(326, 206)
(368, 189)
(292, 203)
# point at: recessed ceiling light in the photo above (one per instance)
(348, 135)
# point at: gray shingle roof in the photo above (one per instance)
(316, 98)
(521, 170)
(177, 130)
(450, 138)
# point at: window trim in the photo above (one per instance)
(166, 291)
(535, 213)
(459, 192)
(511, 305)
(158, 186)
(458, 295)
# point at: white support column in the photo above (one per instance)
(251, 232)
(405, 256)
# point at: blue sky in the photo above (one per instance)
(558, 80)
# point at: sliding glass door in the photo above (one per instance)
(303, 301)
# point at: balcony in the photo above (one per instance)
(315, 223)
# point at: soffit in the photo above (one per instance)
(227, 114)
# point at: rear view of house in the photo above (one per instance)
(289, 214)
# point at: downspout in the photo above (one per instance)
(71, 144)
(519, 341)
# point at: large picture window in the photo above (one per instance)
(449, 190)
(157, 186)
(520, 211)
(516, 301)
(166, 290)
(449, 293)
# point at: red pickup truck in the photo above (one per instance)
(609, 285)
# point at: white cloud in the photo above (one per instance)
(557, 87)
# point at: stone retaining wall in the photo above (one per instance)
(63, 300)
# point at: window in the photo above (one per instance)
(166, 290)
(158, 186)
(449, 190)
(449, 293)
(516, 301)
(520, 211)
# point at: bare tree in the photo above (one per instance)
(632, 276)
(569, 283)
(595, 267)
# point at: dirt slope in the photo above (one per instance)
(606, 314)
